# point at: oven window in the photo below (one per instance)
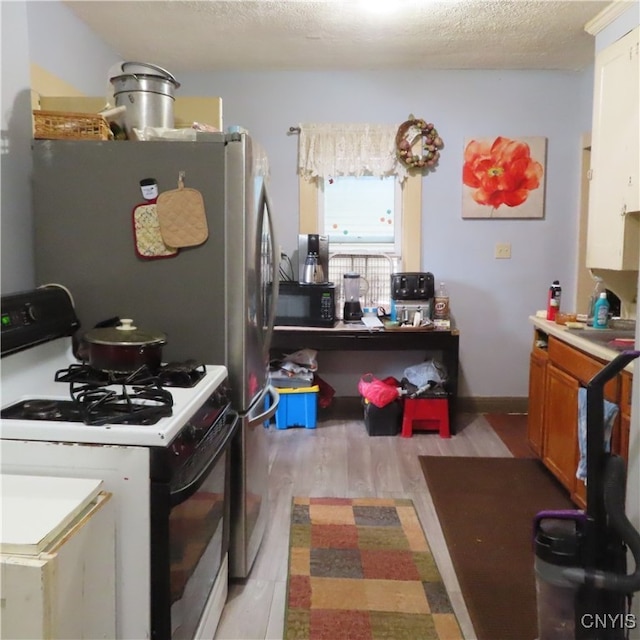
(197, 547)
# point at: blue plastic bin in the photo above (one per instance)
(297, 408)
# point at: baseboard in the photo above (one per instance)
(350, 407)
(497, 404)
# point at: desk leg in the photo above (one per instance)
(450, 361)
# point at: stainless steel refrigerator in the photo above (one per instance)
(212, 300)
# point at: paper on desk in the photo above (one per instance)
(371, 322)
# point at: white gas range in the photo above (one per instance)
(29, 377)
(160, 445)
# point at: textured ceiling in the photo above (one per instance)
(339, 34)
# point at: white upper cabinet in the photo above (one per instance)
(613, 238)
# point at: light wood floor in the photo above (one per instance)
(340, 459)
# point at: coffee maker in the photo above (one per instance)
(313, 258)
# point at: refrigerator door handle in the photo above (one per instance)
(271, 411)
(275, 274)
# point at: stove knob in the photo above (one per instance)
(31, 313)
(217, 398)
(190, 433)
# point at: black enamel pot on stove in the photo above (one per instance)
(124, 348)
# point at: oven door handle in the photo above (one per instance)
(186, 490)
(271, 411)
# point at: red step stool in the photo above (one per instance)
(426, 414)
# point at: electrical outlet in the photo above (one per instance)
(503, 250)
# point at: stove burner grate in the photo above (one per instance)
(92, 415)
(182, 374)
(100, 405)
(173, 374)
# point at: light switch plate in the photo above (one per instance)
(503, 250)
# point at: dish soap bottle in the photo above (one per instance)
(597, 290)
(601, 312)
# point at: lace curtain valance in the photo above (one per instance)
(331, 150)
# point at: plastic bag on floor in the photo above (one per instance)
(325, 391)
(305, 358)
(378, 392)
(428, 374)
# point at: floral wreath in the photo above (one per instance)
(408, 133)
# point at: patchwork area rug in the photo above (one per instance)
(362, 569)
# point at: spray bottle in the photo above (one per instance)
(553, 300)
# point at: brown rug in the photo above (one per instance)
(486, 508)
(362, 569)
(512, 430)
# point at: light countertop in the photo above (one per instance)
(36, 509)
(576, 338)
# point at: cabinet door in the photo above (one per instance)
(535, 417)
(561, 426)
(612, 240)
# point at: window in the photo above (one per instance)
(375, 269)
(407, 225)
(362, 217)
(353, 189)
(361, 213)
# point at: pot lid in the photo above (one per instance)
(145, 69)
(125, 334)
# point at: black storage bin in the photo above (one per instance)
(385, 421)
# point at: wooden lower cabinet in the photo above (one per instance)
(537, 383)
(555, 376)
(561, 425)
(579, 495)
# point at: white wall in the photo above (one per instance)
(64, 45)
(617, 28)
(490, 299)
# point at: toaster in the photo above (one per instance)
(414, 285)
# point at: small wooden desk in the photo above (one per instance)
(346, 337)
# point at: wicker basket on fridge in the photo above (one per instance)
(58, 125)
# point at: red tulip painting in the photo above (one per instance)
(503, 177)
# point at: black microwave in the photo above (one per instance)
(306, 305)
